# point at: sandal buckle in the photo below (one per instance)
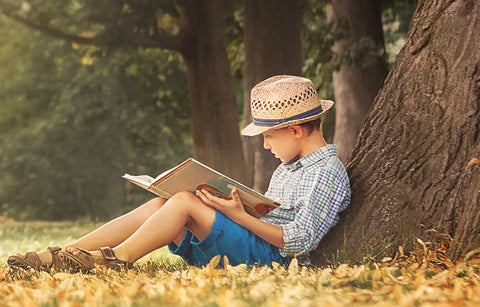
(107, 253)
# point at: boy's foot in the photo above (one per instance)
(38, 261)
(81, 260)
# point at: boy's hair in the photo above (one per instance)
(312, 125)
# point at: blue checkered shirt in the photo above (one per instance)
(312, 191)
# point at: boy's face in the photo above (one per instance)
(282, 143)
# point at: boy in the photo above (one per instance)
(311, 185)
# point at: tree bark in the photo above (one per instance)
(213, 106)
(272, 47)
(410, 172)
(357, 84)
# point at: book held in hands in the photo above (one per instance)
(192, 175)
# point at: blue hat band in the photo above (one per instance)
(274, 122)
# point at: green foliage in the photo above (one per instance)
(73, 122)
(362, 283)
(74, 118)
(319, 35)
(318, 39)
(430, 273)
(397, 273)
(396, 20)
(235, 48)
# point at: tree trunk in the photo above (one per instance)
(272, 47)
(410, 170)
(213, 106)
(356, 83)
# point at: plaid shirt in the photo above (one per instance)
(312, 191)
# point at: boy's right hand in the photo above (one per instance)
(232, 208)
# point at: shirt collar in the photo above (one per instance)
(312, 158)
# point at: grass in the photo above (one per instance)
(163, 279)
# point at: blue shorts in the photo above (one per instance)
(227, 238)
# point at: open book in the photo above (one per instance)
(192, 175)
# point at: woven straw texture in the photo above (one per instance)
(283, 98)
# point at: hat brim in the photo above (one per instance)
(252, 129)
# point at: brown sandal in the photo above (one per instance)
(83, 260)
(32, 260)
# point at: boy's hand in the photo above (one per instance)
(231, 208)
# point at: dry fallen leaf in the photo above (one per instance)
(424, 277)
(471, 254)
(472, 162)
(293, 266)
(387, 259)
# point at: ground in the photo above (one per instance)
(418, 279)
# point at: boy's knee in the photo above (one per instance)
(185, 196)
(155, 204)
(186, 200)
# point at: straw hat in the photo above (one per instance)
(282, 101)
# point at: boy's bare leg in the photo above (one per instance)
(166, 225)
(115, 231)
(119, 229)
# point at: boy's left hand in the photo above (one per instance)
(231, 208)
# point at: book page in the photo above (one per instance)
(142, 179)
(163, 174)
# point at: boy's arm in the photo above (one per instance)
(323, 196)
(234, 210)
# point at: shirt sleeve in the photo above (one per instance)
(316, 212)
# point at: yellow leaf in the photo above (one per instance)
(214, 262)
(226, 262)
(457, 292)
(472, 162)
(62, 276)
(472, 254)
(293, 266)
(398, 293)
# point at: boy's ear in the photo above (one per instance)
(296, 130)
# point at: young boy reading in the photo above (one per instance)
(311, 186)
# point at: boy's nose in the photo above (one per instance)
(265, 144)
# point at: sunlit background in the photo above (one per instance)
(76, 114)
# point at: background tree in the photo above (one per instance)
(413, 171)
(81, 106)
(318, 38)
(213, 105)
(361, 66)
(272, 47)
(195, 29)
(134, 87)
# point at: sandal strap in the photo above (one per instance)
(115, 263)
(107, 253)
(33, 259)
(29, 260)
(56, 261)
(54, 249)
